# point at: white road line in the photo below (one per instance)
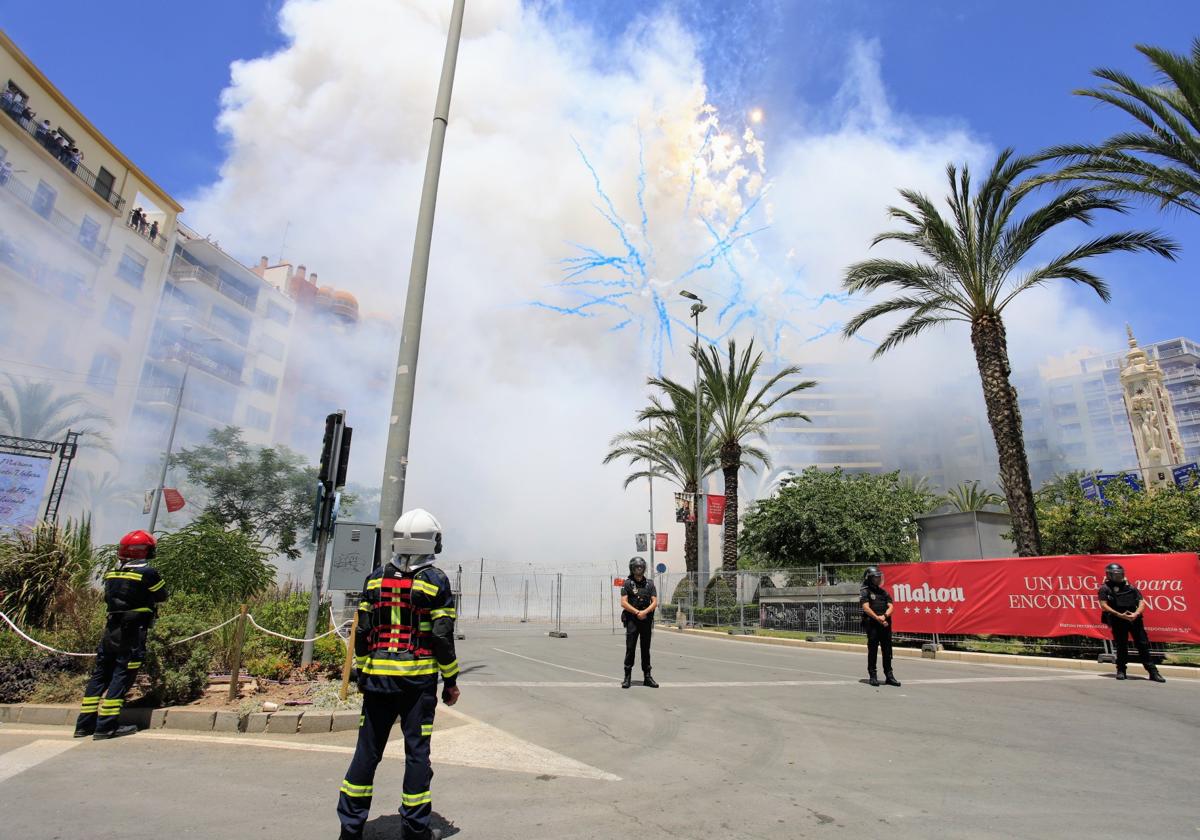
(750, 664)
(31, 755)
(777, 683)
(555, 665)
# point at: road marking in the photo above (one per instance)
(750, 664)
(555, 665)
(775, 683)
(31, 755)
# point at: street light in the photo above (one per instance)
(701, 524)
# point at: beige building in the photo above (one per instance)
(80, 285)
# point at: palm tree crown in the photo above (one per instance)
(1161, 158)
(33, 410)
(972, 270)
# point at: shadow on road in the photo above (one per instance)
(391, 827)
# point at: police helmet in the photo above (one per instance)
(637, 564)
(872, 572)
(1114, 572)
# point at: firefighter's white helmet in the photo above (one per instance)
(417, 534)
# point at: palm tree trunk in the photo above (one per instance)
(689, 538)
(731, 457)
(991, 355)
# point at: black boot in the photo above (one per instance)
(83, 732)
(628, 678)
(349, 835)
(873, 680)
(649, 682)
(1121, 674)
(1154, 675)
(119, 732)
(891, 680)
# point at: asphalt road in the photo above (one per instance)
(741, 741)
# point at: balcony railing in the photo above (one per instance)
(179, 352)
(195, 315)
(64, 226)
(81, 172)
(184, 270)
(157, 239)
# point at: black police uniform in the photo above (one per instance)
(639, 596)
(878, 635)
(405, 638)
(132, 593)
(1125, 597)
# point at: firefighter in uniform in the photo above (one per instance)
(1121, 608)
(877, 619)
(132, 593)
(639, 599)
(405, 637)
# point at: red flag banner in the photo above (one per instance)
(1043, 596)
(173, 498)
(716, 510)
(660, 542)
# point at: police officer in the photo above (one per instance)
(639, 600)
(132, 593)
(877, 619)
(1121, 608)
(405, 637)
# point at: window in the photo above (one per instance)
(1067, 410)
(3, 154)
(132, 268)
(43, 199)
(278, 314)
(260, 420)
(231, 325)
(265, 382)
(272, 347)
(118, 318)
(104, 183)
(89, 230)
(103, 373)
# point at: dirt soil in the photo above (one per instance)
(216, 696)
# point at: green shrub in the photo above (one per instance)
(178, 673)
(59, 687)
(39, 566)
(270, 666)
(20, 678)
(330, 654)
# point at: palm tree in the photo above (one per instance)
(969, 273)
(103, 496)
(667, 449)
(1161, 158)
(743, 409)
(33, 410)
(968, 497)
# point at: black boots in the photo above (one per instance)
(1154, 675)
(649, 681)
(1121, 674)
(83, 733)
(119, 732)
(891, 680)
(628, 678)
(873, 680)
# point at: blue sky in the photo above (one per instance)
(1003, 71)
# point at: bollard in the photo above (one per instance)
(235, 670)
(558, 633)
(349, 663)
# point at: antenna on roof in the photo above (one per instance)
(283, 244)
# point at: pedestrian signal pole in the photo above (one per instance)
(335, 458)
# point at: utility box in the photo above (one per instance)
(354, 555)
(973, 535)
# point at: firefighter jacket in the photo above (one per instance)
(133, 591)
(405, 634)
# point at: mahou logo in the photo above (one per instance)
(927, 594)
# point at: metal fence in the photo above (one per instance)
(817, 603)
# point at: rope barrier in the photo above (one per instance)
(288, 638)
(204, 632)
(33, 641)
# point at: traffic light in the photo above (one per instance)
(323, 474)
(343, 456)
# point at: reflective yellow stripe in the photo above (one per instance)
(450, 670)
(123, 576)
(422, 798)
(364, 606)
(89, 706)
(444, 612)
(360, 662)
(134, 665)
(424, 587)
(158, 586)
(374, 584)
(141, 609)
(425, 625)
(387, 668)
(357, 790)
(426, 730)
(362, 719)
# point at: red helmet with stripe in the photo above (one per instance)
(137, 545)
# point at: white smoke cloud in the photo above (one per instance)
(515, 404)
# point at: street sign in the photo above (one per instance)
(1187, 476)
(662, 568)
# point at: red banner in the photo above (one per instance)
(716, 510)
(1043, 596)
(660, 542)
(173, 498)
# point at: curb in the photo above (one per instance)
(288, 722)
(1170, 671)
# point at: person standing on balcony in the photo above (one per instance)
(75, 158)
(135, 217)
(153, 230)
(43, 132)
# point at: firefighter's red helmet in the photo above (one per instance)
(137, 545)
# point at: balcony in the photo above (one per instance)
(62, 225)
(183, 270)
(179, 352)
(105, 191)
(62, 285)
(143, 230)
(195, 316)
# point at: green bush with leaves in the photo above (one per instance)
(1132, 522)
(41, 565)
(205, 558)
(270, 666)
(178, 673)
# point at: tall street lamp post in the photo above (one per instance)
(701, 500)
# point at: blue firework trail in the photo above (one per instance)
(630, 286)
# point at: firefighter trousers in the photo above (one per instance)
(118, 658)
(414, 710)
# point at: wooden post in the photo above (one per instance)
(349, 663)
(235, 669)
